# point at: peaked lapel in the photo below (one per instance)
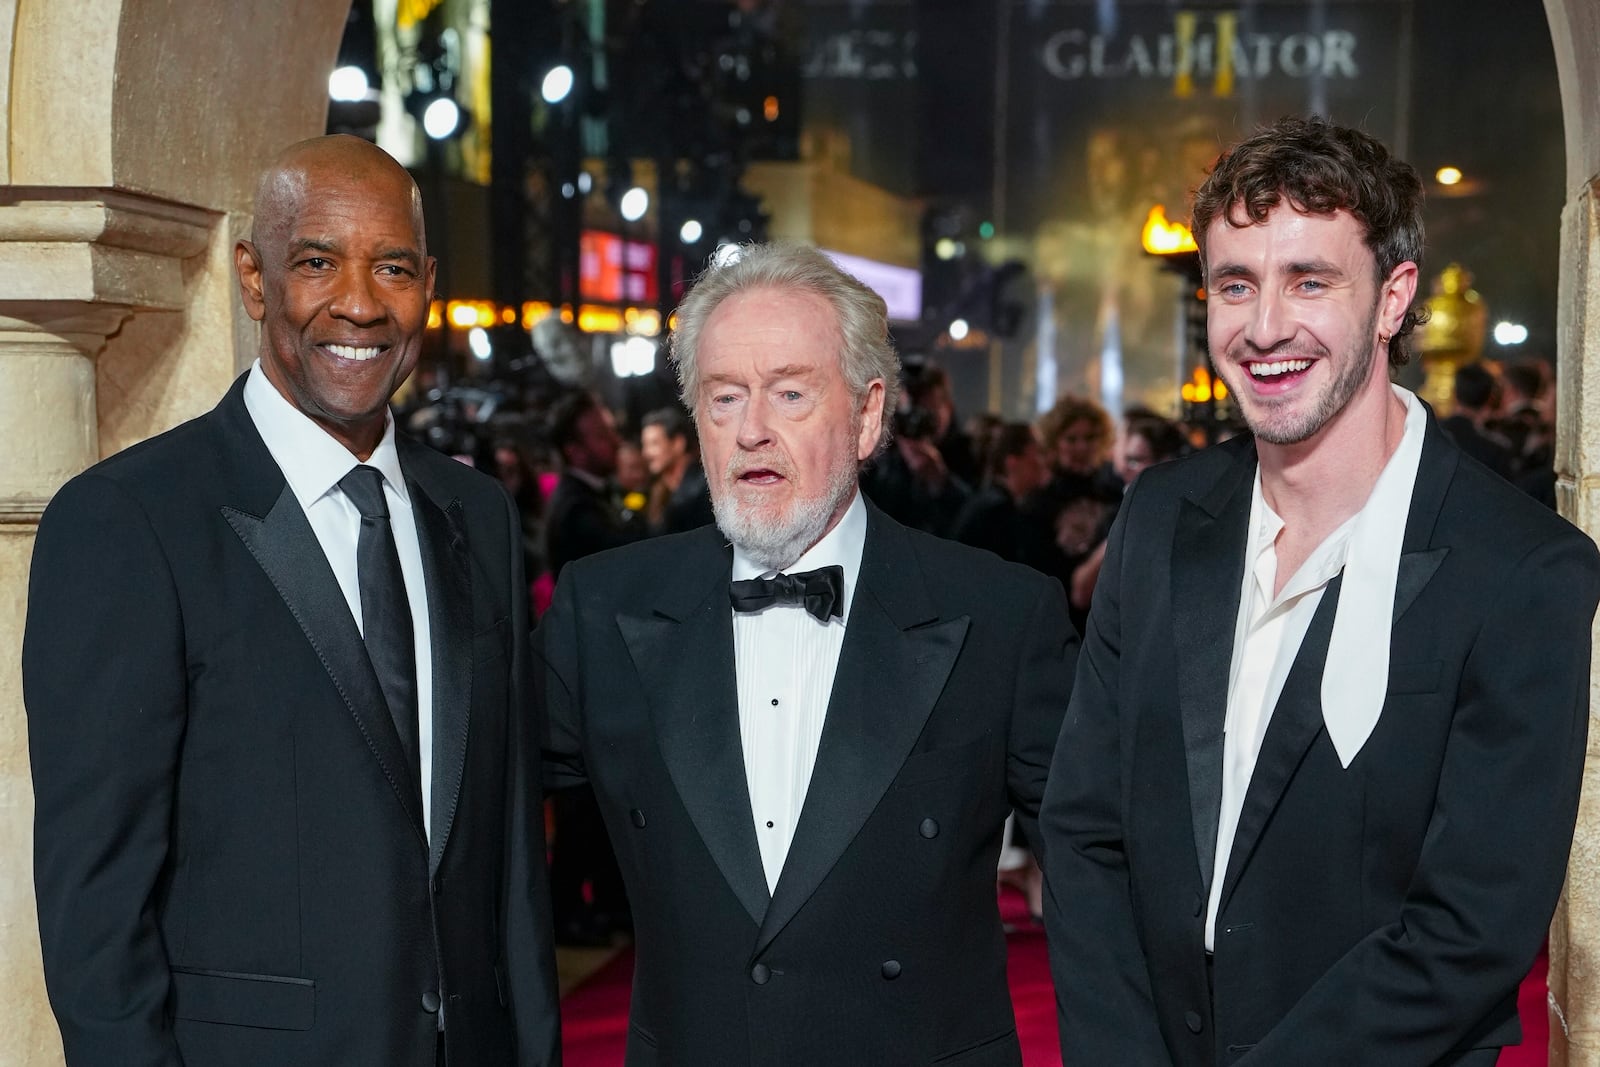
(1207, 571)
(1297, 719)
(693, 701)
(447, 572)
(895, 660)
(287, 549)
(267, 518)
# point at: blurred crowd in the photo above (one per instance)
(1043, 494)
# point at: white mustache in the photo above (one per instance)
(738, 466)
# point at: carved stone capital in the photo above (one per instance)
(96, 246)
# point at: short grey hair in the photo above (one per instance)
(865, 351)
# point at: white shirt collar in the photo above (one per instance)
(842, 545)
(1355, 678)
(311, 460)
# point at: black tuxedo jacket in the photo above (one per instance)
(230, 867)
(881, 943)
(1382, 914)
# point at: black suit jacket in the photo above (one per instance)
(231, 868)
(881, 943)
(582, 520)
(1382, 914)
(689, 506)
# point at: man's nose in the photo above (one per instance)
(356, 298)
(755, 423)
(1271, 322)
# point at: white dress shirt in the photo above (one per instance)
(313, 464)
(784, 663)
(1269, 629)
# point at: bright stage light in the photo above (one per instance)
(441, 118)
(1508, 334)
(635, 202)
(557, 84)
(348, 85)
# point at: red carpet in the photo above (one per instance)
(594, 1016)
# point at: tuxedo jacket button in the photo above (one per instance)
(760, 974)
(891, 969)
(638, 818)
(1191, 1019)
(929, 829)
(430, 1002)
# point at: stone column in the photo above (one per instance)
(73, 274)
(1574, 1003)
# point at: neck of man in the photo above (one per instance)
(672, 477)
(1316, 484)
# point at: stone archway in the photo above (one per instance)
(131, 132)
(1575, 934)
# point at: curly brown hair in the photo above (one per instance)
(1322, 168)
(1068, 411)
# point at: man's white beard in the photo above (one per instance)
(775, 544)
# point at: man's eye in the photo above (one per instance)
(1312, 285)
(790, 395)
(317, 263)
(393, 270)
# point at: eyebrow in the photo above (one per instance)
(1317, 266)
(792, 370)
(1230, 270)
(1324, 267)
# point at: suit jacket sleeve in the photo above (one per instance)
(1103, 998)
(105, 685)
(529, 941)
(1496, 848)
(555, 659)
(1049, 647)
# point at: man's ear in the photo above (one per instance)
(429, 273)
(1396, 297)
(247, 265)
(871, 421)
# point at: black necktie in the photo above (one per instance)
(385, 611)
(821, 592)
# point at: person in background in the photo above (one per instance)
(585, 517)
(680, 499)
(998, 517)
(1147, 438)
(910, 481)
(1078, 437)
(1477, 397)
(929, 390)
(632, 482)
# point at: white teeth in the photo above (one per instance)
(1282, 366)
(352, 352)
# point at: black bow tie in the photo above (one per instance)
(821, 592)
